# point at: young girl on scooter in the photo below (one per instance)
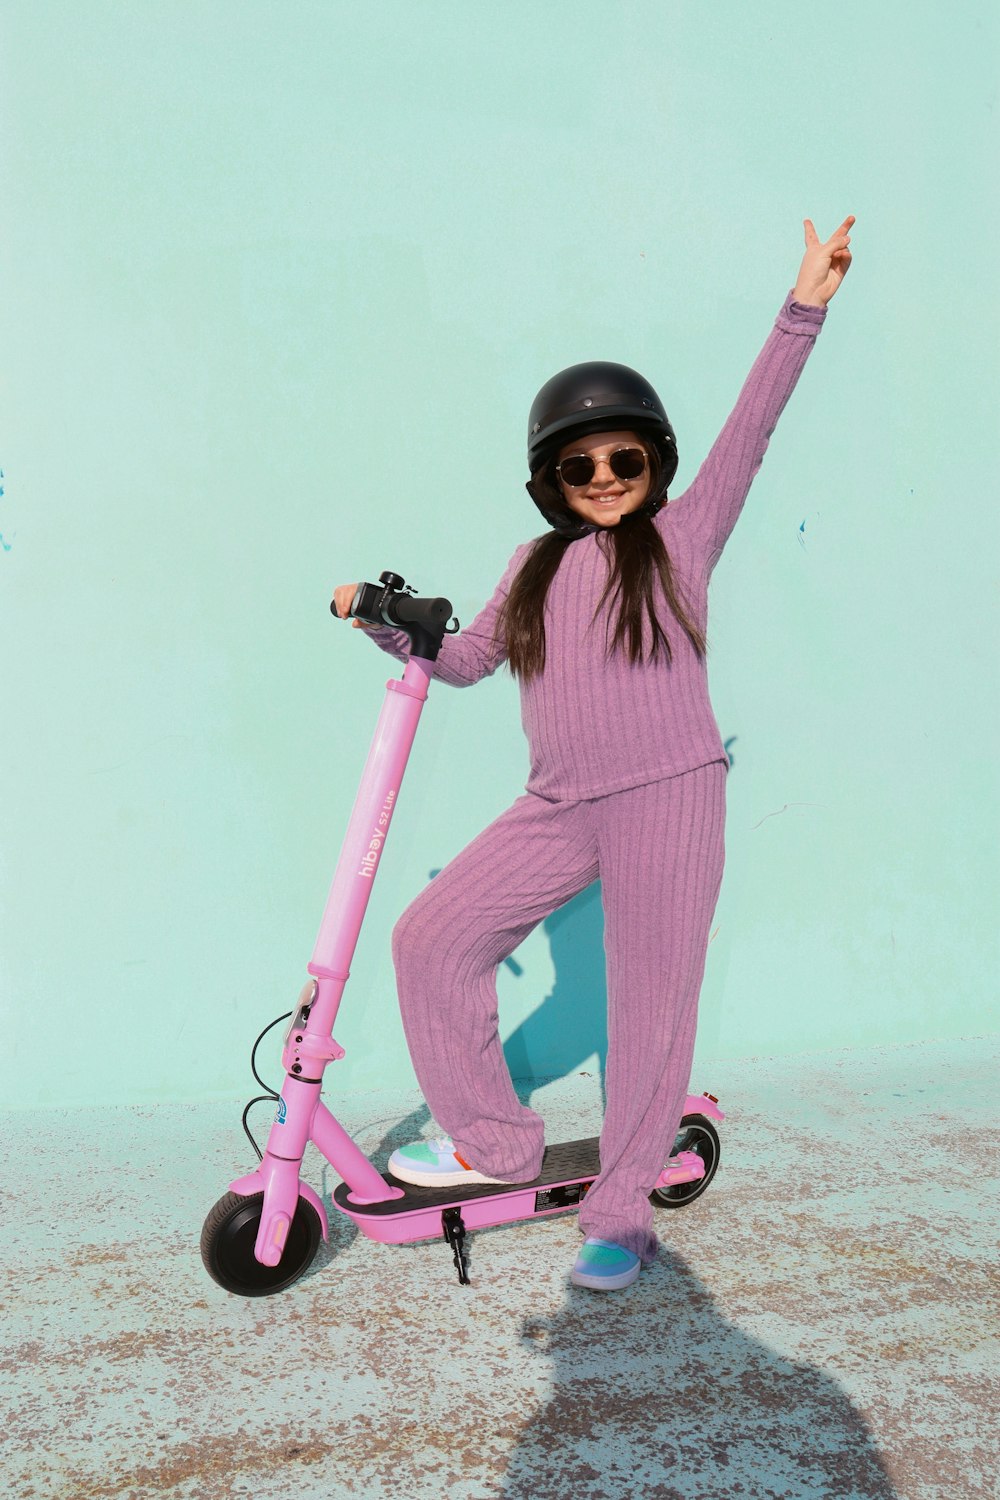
(602, 620)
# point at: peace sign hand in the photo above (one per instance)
(824, 265)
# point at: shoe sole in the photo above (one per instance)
(416, 1178)
(605, 1283)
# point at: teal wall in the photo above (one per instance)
(280, 283)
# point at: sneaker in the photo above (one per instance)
(604, 1266)
(434, 1164)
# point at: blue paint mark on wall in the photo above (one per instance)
(4, 544)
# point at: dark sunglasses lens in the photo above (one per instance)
(578, 470)
(628, 463)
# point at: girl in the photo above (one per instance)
(602, 620)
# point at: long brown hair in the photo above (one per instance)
(636, 556)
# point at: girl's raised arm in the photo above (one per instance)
(713, 502)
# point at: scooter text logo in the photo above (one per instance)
(281, 1112)
(370, 859)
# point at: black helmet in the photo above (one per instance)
(595, 397)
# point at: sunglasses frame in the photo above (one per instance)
(623, 448)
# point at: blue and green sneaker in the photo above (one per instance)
(604, 1266)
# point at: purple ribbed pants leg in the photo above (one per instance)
(659, 851)
(447, 946)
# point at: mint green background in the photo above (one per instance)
(280, 283)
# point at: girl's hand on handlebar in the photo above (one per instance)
(343, 597)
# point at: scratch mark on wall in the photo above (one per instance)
(712, 938)
(802, 543)
(785, 809)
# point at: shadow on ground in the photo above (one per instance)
(657, 1395)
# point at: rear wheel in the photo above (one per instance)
(228, 1237)
(698, 1134)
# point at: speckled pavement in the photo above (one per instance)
(822, 1322)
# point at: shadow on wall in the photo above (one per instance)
(570, 1024)
(682, 1406)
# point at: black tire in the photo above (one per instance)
(697, 1133)
(228, 1237)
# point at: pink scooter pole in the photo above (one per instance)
(309, 1043)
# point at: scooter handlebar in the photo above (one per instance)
(425, 621)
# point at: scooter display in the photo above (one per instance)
(264, 1232)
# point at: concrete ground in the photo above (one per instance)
(822, 1322)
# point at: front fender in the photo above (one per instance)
(257, 1182)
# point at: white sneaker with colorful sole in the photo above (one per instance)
(434, 1163)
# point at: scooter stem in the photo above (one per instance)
(307, 1052)
(365, 839)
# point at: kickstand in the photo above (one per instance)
(454, 1233)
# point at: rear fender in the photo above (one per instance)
(703, 1104)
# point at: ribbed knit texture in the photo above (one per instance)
(659, 850)
(627, 783)
(597, 725)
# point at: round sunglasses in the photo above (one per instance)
(579, 469)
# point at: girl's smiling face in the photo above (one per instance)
(605, 498)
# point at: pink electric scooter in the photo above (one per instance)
(264, 1232)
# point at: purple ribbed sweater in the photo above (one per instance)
(597, 724)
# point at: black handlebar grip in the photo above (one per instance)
(405, 609)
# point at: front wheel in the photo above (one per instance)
(230, 1233)
(698, 1134)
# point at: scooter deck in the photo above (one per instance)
(568, 1169)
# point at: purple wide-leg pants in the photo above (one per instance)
(659, 852)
